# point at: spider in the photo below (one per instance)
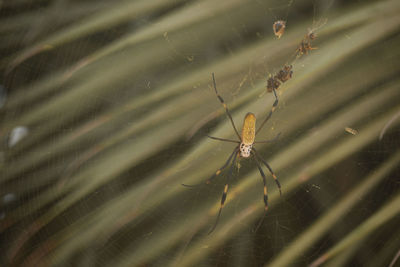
(244, 149)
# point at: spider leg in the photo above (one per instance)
(270, 170)
(223, 139)
(265, 184)
(265, 194)
(271, 111)
(217, 172)
(269, 141)
(225, 106)
(224, 194)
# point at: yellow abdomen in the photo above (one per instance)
(249, 129)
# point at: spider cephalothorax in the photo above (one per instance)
(245, 150)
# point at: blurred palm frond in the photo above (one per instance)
(116, 100)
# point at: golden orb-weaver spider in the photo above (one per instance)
(244, 149)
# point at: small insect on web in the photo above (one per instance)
(243, 149)
(279, 28)
(280, 14)
(282, 76)
(305, 45)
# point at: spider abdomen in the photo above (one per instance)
(248, 134)
(249, 129)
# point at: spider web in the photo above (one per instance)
(106, 107)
